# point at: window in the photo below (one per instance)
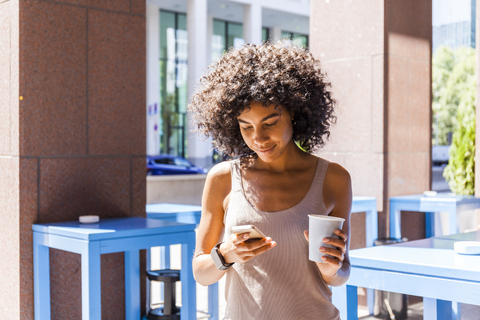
(226, 34)
(297, 38)
(173, 82)
(265, 34)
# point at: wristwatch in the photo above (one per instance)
(218, 258)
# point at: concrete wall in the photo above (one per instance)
(378, 57)
(183, 189)
(72, 138)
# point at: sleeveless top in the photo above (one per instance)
(280, 284)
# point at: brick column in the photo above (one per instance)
(72, 138)
(378, 56)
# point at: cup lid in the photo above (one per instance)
(324, 217)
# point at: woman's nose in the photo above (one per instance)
(261, 136)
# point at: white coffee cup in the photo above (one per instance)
(319, 227)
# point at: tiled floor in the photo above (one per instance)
(415, 311)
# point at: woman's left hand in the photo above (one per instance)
(336, 256)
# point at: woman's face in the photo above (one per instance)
(266, 130)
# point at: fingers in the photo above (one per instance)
(239, 238)
(341, 234)
(335, 255)
(244, 248)
(305, 234)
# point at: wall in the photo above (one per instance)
(72, 138)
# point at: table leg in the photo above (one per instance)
(164, 264)
(91, 282)
(213, 301)
(429, 224)
(41, 275)
(371, 227)
(165, 257)
(345, 298)
(437, 309)
(456, 311)
(189, 289)
(132, 285)
(149, 267)
(452, 222)
(395, 222)
(370, 300)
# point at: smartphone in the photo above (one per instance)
(254, 232)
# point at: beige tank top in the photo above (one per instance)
(281, 283)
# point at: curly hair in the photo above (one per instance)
(277, 73)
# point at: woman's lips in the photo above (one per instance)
(265, 151)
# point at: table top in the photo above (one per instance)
(363, 198)
(432, 257)
(440, 197)
(112, 228)
(172, 208)
(469, 236)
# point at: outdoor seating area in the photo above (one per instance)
(121, 120)
(428, 268)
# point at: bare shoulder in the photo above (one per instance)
(338, 175)
(219, 179)
(337, 187)
(220, 172)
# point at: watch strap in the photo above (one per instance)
(219, 259)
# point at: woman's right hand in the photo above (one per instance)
(238, 249)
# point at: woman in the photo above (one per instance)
(269, 107)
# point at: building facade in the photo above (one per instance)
(183, 38)
(453, 23)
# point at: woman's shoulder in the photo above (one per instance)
(220, 173)
(337, 172)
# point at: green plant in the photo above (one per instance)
(460, 171)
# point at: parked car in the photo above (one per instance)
(166, 164)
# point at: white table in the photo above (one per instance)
(429, 268)
(442, 202)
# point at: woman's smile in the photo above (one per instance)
(267, 130)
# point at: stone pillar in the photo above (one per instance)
(153, 80)
(199, 152)
(275, 33)
(378, 57)
(72, 139)
(252, 23)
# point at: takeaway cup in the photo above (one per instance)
(319, 227)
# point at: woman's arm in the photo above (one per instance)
(210, 231)
(337, 196)
(211, 228)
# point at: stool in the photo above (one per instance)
(169, 311)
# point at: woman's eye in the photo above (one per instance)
(246, 129)
(271, 124)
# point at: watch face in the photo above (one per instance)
(218, 259)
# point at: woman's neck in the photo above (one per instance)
(292, 158)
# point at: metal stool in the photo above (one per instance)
(169, 311)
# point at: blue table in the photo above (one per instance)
(442, 202)
(368, 205)
(429, 268)
(128, 235)
(186, 214)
